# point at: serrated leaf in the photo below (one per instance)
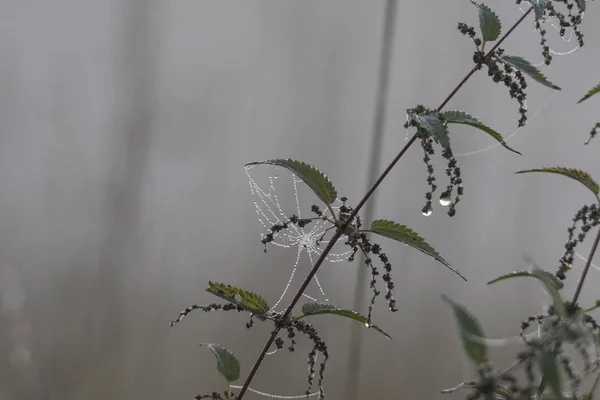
(525, 67)
(470, 331)
(549, 280)
(576, 174)
(433, 125)
(315, 179)
(489, 23)
(582, 4)
(536, 273)
(593, 91)
(461, 117)
(404, 234)
(249, 301)
(539, 8)
(550, 374)
(227, 363)
(313, 308)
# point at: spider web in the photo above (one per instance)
(307, 241)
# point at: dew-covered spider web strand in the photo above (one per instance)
(308, 239)
(507, 138)
(585, 260)
(553, 22)
(276, 396)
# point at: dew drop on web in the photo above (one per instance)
(445, 201)
(427, 210)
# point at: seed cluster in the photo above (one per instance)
(511, 77)
(319, 346)
(588, 217)
(452, 169)
(593, 132)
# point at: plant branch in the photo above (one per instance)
(340, 230)
(586, 269)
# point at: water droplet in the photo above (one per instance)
(427, 210)
(445, 201)
(237, 298)
(368, 325)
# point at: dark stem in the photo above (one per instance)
(340, 230)
(586, 269)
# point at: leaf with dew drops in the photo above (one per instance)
(314, 308)
(249, 301)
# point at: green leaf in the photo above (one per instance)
(433, 125)
(525, 67)
(536, 273)
(539, 7)
(461, 117)
(576, 174)
(593, 91)
(550, 374)
(488, 22)
(227, 364)
(249, 301)
(404, 234)
(309, 309)
(470, 331)
(315, 179)
(549, 280)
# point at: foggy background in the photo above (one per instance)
(124, 129)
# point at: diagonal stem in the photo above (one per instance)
(586, 269)
(339, 232)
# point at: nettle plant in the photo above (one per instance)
(550, 369)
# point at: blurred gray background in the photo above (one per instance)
(124, 129)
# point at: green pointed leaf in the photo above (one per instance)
(593, 91)
(488, 22)
(461, 117)
(309, 309)
(536, 273)
(227, 363)
(433, 125)
(550, 374)
(539, 7)
(525, 67)
(576, 174)
(315, 179)
(404, 234)
(549, 280)
(249, 301)
(470, 331)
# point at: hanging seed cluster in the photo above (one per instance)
(572, 19)
(588, 217)
(593, 132)
(358, 241)
(319, 346)
(428, 135)
(511, 77)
